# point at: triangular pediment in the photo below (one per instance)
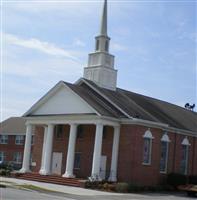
(60, 100)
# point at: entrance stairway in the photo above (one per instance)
(50, 179)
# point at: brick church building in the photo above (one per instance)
(94, 129)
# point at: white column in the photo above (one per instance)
(43, 149)
(97, 152)
(48, 151)
(27, 150)
(114, 161)
(71, 152)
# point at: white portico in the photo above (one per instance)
(49, 123)
(62, 105)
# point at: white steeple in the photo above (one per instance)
(100, 67)
(104, 20)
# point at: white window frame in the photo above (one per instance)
(186, 143)
(165, 138)
(2, 156)
(19, 139)
(148, 135)
(19, 155)
(3, 140)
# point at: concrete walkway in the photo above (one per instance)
(57, 188)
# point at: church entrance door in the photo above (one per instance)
(57, 163)
(103, 167)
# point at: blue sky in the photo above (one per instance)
(43, 42)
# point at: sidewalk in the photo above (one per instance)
(58, 188)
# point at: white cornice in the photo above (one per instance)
(110, 121)
(70, 119)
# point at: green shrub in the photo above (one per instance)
(135, 188)
(158, 188)
(174, 179)
(92, 185)
(193, 179)
(122, 187)
(112, 187)
(5, 172)
(105, 186)
(2, 172)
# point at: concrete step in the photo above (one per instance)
(50, 179)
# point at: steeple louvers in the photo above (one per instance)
(104, 20)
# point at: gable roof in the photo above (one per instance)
(125, 104)
(13, 125)
(147, 108)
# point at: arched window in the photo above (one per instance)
(147, 151)
(184, 156)
(164, 153)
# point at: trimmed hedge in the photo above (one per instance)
(175, 179)
(122, 187)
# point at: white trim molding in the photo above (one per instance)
(165, 138)
(185, 142)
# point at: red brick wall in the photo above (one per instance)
(10, 148)
(37, 150)
(130, 167)
(85, 146)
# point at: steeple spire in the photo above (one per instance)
(100, 67)
(103, 30)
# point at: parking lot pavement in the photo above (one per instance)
(18, 194)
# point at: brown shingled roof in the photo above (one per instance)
(15, 125)
(140, 106)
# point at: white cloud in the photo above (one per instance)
(34, 73)
(36, 44)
